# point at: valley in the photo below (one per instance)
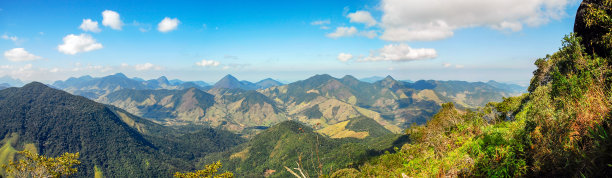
(329, 89)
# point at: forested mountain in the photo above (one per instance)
(110, 140)
(289, 143)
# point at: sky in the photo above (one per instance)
(470, 40)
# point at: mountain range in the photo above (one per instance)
(115, 143)
(245, 107)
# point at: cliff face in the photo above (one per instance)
(592, 34)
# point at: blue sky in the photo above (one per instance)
(285, 40)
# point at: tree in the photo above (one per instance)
(209, 171)
(34, 165)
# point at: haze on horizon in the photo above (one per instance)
(206, 40)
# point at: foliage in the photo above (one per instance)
(57, 122)
(598, 15)
(34, 165)
(562, 128)
(209, 171)
(291, 142)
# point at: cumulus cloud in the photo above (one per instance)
(19, 55)
(446, 65)
(320, 22)
(369, 34)
(207, 63)
(75, 44)
(89, 25)
(401, 52)
(145, 66)
(344, 57)
(12, 38)
(426, 20)
(362, 17)
(168, 24)
(343, 32)
(111, 19)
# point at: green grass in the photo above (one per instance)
(7, 151)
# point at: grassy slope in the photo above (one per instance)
(562, 128)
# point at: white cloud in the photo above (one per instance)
(142, 27)
(401, 52)
(369, 34)
(320, 22)
(362, 17)
(25, 67)
(343, 32)
(89, 25)
(426, 20)
(146, 66)
(19, 55)
(111, 19)
(54, 70)
(168, 24)
(513, 26)
(207, 63)
(344, 57)
(12, 38)
(75, 44)
(457, 66)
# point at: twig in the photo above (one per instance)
(296, 175)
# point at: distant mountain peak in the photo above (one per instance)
(267, 79)
(119, 75)
(321, 77)
(228, 81)
(267, 83)
(163, 80)
(35, 85)
(349, 77)
(389, 78)
(229, 76)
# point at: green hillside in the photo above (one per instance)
(116, 142)
(291, 142)
(561, 128)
